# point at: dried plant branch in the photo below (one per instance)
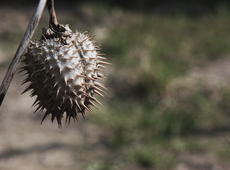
(53, 23)
(21, 49)
(53, 16)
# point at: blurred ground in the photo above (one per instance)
(168, 103)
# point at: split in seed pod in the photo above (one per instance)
(64, 72)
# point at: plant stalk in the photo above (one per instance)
(22, 48)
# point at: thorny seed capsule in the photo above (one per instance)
(63, 72)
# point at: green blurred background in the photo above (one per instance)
(168, 101)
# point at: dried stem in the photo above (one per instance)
(53, 16)
(22, 48)
(53, 23)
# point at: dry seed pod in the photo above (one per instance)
(63, 71)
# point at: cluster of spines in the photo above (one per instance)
(69, 100)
